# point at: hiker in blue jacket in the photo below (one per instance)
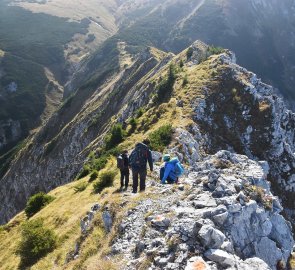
(171, 170)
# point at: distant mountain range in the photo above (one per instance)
(261, 33)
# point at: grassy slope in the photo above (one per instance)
(99, 14)
(64, 213)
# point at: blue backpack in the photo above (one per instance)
(178, 169)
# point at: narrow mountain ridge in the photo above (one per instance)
(225, 215)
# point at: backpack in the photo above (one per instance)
(120, 162)
(178, 169)
(138, 157)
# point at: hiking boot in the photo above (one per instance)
(125, 188)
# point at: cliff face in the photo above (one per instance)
(10, 132)
(261, 33)
(241, 113)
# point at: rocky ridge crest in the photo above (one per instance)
(222, 216)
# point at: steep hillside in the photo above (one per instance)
(42, 45)
(224, 215)
(57, 152)
(33, 68)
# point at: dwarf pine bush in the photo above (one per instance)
(36, 241)
(37, 202)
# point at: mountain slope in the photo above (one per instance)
(58, 149)
(57, 152)
(168, 227)
(42, 45)
(224, 214)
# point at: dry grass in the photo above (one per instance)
(291, 262)
(124, 57)
(63, 216)
(2, 53)
(263, 106)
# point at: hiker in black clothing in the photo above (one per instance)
(138, 162)
(123, 165)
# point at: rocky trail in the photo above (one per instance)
(221, 216)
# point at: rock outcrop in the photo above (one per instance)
(240, 113)
(225, 218)
(10, 132)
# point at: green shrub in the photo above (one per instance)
(80, 187)
(133, 124)
(106, 179)
(161, 138)
(37, 202)
(185, 80)
(139, 112)
(215, 50)
(165, 87)
(99, 163)
(85, 171)
(189, 53)
(181, 64)
(36, 242)
(93, 176)
(115, 137)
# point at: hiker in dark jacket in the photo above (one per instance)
(138, 160)
(123, 165)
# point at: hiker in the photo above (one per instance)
(123, 165)
(171, 170)
(140, 156)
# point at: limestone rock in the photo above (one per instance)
(223, 229)
(221, 257)
(254, 264)
(107, 220)
(157, 156)
(267, 250)
(211, 237)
